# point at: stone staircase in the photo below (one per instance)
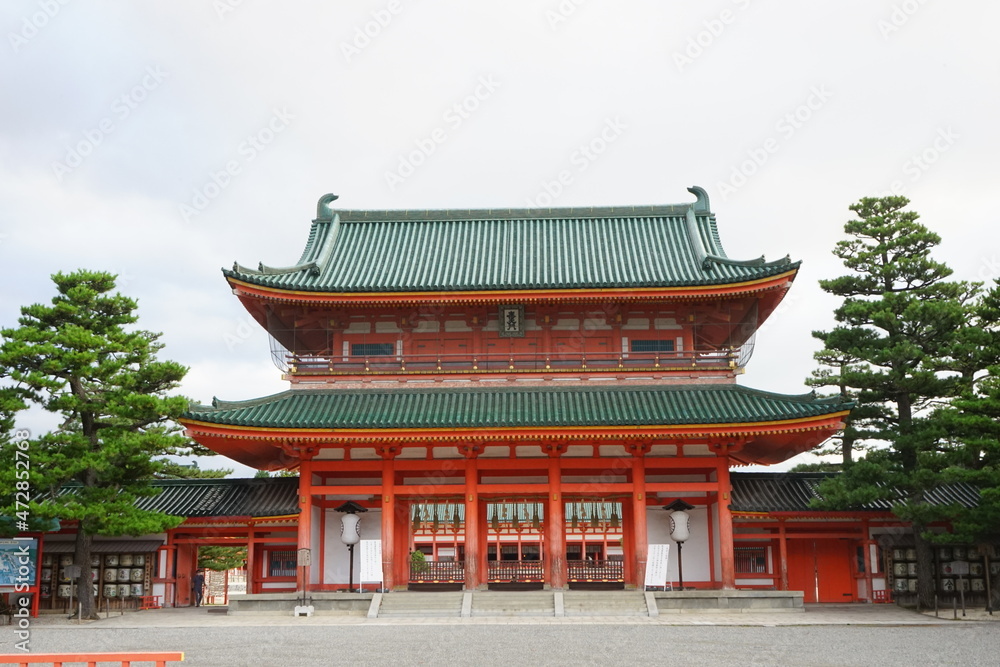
(513, 603)
(456, 604)
(605, 603)
(421, 604)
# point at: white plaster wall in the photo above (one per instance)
(695, 552)
(335, 563)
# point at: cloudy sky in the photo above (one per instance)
(163, 140)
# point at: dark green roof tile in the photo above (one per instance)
(515, 407)
(512, 249)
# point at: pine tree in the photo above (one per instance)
(221, 558)
(969, 429)
(82, 359)
(898, 328)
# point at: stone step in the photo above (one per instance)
(605, 603)
(401, 604)
(514, 603)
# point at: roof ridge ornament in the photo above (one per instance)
(324, 212)
(702, 204)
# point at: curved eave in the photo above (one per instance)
(764, 443)
(674, 293)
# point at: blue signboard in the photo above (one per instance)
(18, 563)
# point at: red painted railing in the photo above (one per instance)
(437, 572)
(596, 570)
(91, 659)
(503, 362)
(515, 571)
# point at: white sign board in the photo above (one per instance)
(959, 567)
(371, 561)
(656, 565)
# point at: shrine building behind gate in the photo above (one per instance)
(516, 394)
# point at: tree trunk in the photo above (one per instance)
(84, 587)
(847, 448)
(925, 569)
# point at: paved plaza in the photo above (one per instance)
(823, 635)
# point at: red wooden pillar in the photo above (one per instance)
(628, 525)
(187, 563)
(726, 551)
(170, 573)
(388, 522)
(473, 555)
(555, 524)
(305, 520)
(783, 555)
(640, 539)
(484, 545)
(251, 559)
(866, 543)
(404, 541)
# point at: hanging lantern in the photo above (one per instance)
(680, 520)
(350, 523)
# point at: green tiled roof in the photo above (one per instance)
(512, 249)
(514, 407)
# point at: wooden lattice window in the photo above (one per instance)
(651, 346)
(283, 563)
(372, 349)
(751, 560)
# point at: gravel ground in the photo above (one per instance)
(964, 644)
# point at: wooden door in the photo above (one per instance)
(821, 569)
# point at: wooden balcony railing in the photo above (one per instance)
(298, 364)
(504, 571)
(91, 659)
(595, 570)
(436, 572)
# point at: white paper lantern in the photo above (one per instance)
(350, 529)
(680, 526)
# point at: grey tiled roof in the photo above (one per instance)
(793, 492)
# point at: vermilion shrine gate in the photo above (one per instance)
(515, 393)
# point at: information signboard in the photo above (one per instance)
(656, 565)
(371, 561)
